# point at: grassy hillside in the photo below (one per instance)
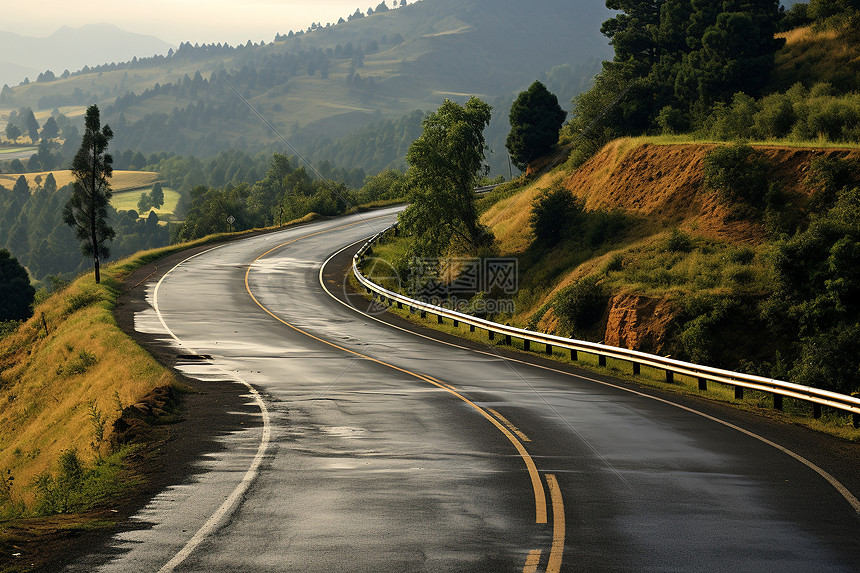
(64, 377)
(127, 200)
(411, 58)
(121, 180)
(831, 56)
(651, 258)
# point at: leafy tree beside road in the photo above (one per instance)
(87, 209)
(445, 163)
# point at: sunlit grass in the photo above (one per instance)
(127, 200)
(121, 180)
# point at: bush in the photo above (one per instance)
(679, 242)
(554, 214)
(739, 173)
(77, 487)
(828, 176)
(579, 306)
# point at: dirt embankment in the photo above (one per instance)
(666, 183)
(663, 184)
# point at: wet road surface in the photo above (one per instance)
(371, 449)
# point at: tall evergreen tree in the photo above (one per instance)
(536, 118)
(87, 209)
(31, 125)
(16, 292)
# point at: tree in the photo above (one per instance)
(30, 124)
(16, 292)
(50, 130)
(50, 185)
(21, 188)
(87, 209)
(445, 163)
(156, 196)
(144, 203)
(536, 119)
(13, 132)
(677, 53)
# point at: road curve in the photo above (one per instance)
(373, 449)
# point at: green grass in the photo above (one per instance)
(127, 200)
(692, 139)
(6, 150)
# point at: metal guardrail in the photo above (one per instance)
(778, 388)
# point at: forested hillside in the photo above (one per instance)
(322, 84)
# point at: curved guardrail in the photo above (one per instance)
(778, 388)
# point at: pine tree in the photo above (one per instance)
(87, 209)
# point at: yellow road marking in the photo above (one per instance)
(510, 426)
(555, 554)
(537, 484)
(532, 561)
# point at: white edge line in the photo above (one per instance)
(232, 502)
(844, 491)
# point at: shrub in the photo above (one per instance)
(679, 242)
(579, 306)
(554, 213)
(828, 176)
(739, 173)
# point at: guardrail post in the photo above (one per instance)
(777, 401)
(471, 328)
(739, 392)
(508, 339)
(439, 319)
(399, 305)
(423, 314)
(527, 344)
(491, 334)
(637, 368)
(601, 360)
(549, 349)
(369, 291)
(670, 377)
(703, 384)
(855, 418)
(456, 323)
(816, 411)
(574, 355)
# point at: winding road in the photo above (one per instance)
(368, 448)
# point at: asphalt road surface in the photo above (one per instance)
(366, 448)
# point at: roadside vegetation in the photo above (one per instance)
(718, 252)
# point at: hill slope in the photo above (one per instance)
(640, 197)
(331, 81)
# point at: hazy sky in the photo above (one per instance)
(176, 21)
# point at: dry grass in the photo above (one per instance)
(44, 403)
(45, 391)
(121, 180)
(811, 57)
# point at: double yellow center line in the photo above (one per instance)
(502, 424)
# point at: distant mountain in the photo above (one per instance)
(72, 49)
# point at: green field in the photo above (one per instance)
(127, 200)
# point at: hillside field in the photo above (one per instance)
(127, 200)
(121, 180)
